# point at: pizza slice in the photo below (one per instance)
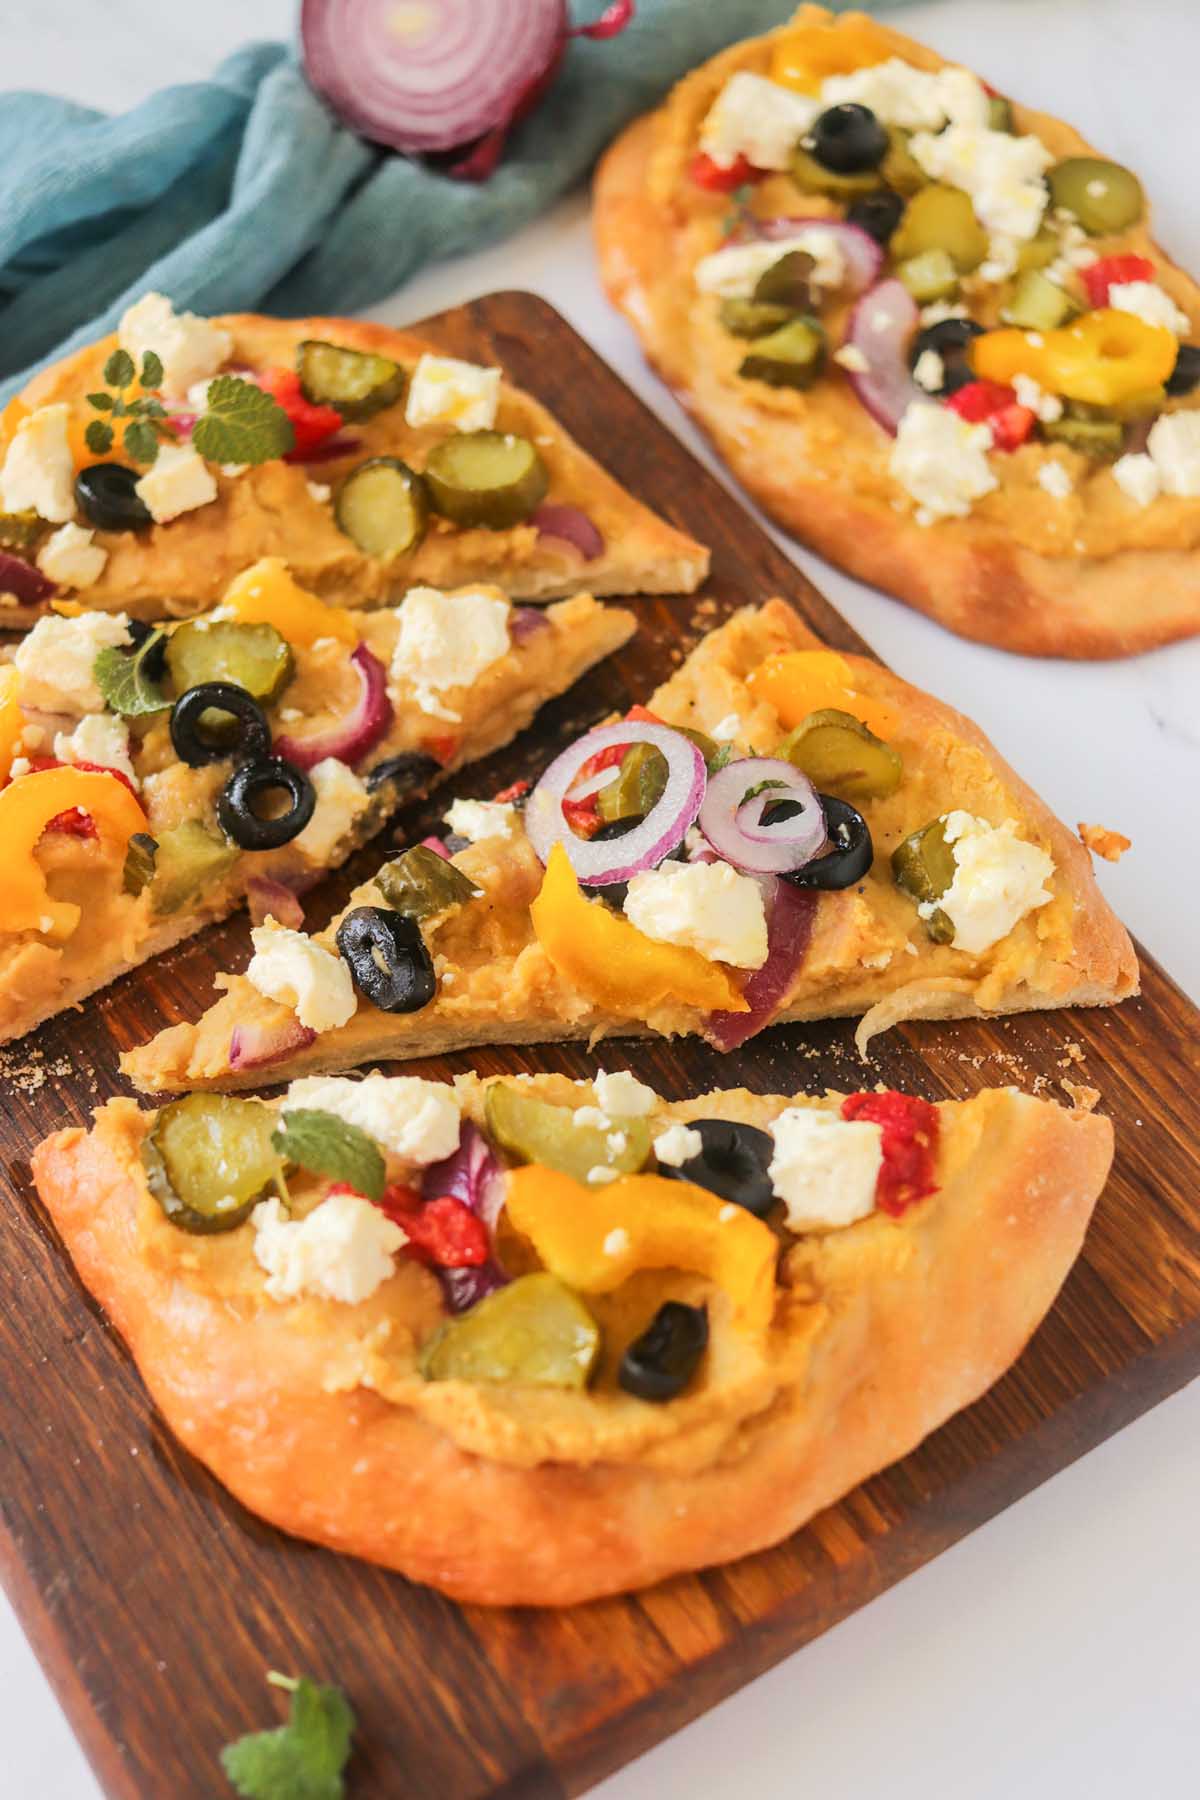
(152, 779)
(143, 474)
(666, 876)
(928, 329)
(534, 1340)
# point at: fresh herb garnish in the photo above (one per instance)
(739, 209)
(123, 677)
(328, 1146)
(142, 420)
(242, 424)
(302, 1760)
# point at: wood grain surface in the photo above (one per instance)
(157, 1604)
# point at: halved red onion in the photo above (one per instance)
(569, 525)
(881, 327)
(24, 580)
(267, 897)
(734, 824)
(330, 451)
(525, 622)
(356, 732)
(600, 862)
(791, 912)
(255, 1045)
(863, 256)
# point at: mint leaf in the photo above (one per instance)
(302, 1760)
(121, 676)
(119, 370)
(99, 437)
(102, 402)
(146, 407)
(141, 441)
(242, 424)
(328, 1146)
(152, 370)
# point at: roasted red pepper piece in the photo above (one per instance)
(514, 791)
(994, 404)
(1111, 271)
(311, 424)
(709, 174)
(910, 1137)
(446, 1233)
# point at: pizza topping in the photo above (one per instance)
(56, 661)
(753, 124)
(217, 719)
(179, 481)
(424, 884)
(189, 348)
(1102, 196)
(209, 1159)
(1102, 358)
(727, 1158)
(660, 1363)
(99, 740)
(1002, 174)
(535, 1330)
(446, 641)
(70, 559)
(661, 830)
(910, 1128)
(1185, 376)
(796, 683)
(992, 404)
(24, 581)
(824, 1169)
(972, 881)
(141, 855)
(880, 329)
(791, 913)
(255, 658)
(357, 383)
(941, 218)
(267, 594)
(489, 479)
(256, 786)
(557, 524)
(298, 972)
(191, 860)
(415, 1121)
(446, 391)
(38, 473)
(763, 814)
(327, 1144)
(676, 1145)
(475, 820)
(703, 906)
(941, 460)
(836, 751)
(847, 138)
(27, 808)
(1038, 304)
(312, 425)
(790, 357)
(532, 1131)
(343, 1250)
(877, 214)
(388, 958)
(353, 736)
(383, 507)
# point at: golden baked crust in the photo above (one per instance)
(818, 463)
(505, 990)
(881, 1331)
(185, 566)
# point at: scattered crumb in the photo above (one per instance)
(1082, 1097)
(1111, 845)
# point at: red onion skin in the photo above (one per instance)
(25, 580)
(332, 450)
(887, 389)
(352, 737)
(474, 1176)
(569, 525)
(263, 896)
(526, 622)
(791, 914)
(257, 1046)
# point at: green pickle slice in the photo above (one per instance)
(752, 318)
(1038, 304)
(423, 884)
(383, 507)
(489, 478)
(940, 217)
(532, 1131)
(141, 854)
(815, 178)
(900, 169)
(356, 382)
(191, 858)
(790, 357)
(788, 282)
(1102, 195)
(535, 1330)
(254, 657)
(18, 530)
(1101, 439)
(930, 276)
(209, 1160)
(641, 781)
(923, 866)
(840, 755)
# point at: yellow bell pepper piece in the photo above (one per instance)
(1101, 358)
(12, 719)
(14, 414)
(26, 808)
(614, 963)
(802, 58)
(594, 1238)
(798, 682)
(268, 594)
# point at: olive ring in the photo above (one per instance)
(852, 853)
(388, 959)
(235, 804)
(193, 743)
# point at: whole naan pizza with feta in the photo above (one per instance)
(143, 474)
(927, 327)
(783, 833)
(533, 1340)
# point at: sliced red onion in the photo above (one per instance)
(862, 255)
(182, 424)
(329, 451)
(525, 622)
(881, 327)
(256, 1045)
(734, 824)
(474, 1176)
(265, 896)
(569, 525)
(24, 580)
(437, 845)
(356, 732)
(791, 912)
(600, 862)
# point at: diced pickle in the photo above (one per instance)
(533, 1131)
(1038, 304)
(209, 1159)
(790, 357)
(140, 856)
(787, 282)
(424, 885)
(1039, 251)
(752, 318)
(930, 276)
(1147, 403)
(941, 218)
(840, 755)
(1103, 196)
(489, 478)
(815, 178)
(900, 169)
(191, 858)
(383, 507)
(923, 865)
(18, 530)
(356, 382)
(999, 113)
(254, 657)
(639, 786)
(534, 1331)
(1101, 439)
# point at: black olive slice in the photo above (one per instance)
(251, 782)
(660, 1363)
(409, 772)
(950, 339)
(1185, 376)
(852, 853)
(877, 214)
(387, 958)
(106, 495)
(848, 139)
(732, 1164)
(198, 740)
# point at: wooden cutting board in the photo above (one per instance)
(157, 1604)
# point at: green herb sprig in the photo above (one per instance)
(142, 421)
(302, 1760)
(124, 678)
(326, 1145)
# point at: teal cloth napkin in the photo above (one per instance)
(245, 193)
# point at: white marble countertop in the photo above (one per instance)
(1054, 1651)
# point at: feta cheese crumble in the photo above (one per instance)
(998, 878)
(446, 391)
(1174, 444)
(1150, 303)
(475, 819)
(1137, 477)
(341, 799)
(617, 1241)
(914, 99)
(99, 738)
(71, 559)
(824, 1169)
(725, 731)
(56, 659)
(39, 469)
(447, 641)
(413, 1120)
(759, 119)
(929, 372)
(298, 972)
(734, 272)
(178, 481)
(851, 358)
(1001, 173)
(342, 1251)
(191, 349)
(707, 907)
(1055, 479)
(623, 1094)
(941, 460)
(1044, 406)
(677, 1145)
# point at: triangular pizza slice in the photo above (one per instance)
(366, 459)
(785, 833)
(151, 779)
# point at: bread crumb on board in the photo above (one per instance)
(1111, 845)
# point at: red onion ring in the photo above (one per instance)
(356, 732)
(863, 256)
(600, 862)
(525, 622)
(25, 580)
(254, 1046)
(264, 895)
(733, 824)
(881, 327)
(569, 525)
